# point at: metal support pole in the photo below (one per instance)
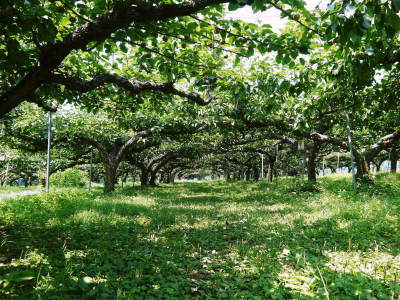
(91, 170)
(262, 165)
(351, 151)
(48, 153)
(301, 148)
(323, 166)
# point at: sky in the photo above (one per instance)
(271, 16)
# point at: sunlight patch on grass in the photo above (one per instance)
(374, 264)
(300, 281)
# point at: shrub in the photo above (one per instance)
(69, 178)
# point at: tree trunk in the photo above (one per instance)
(394, 157)
(311, 174)
(153, 177)
(110, 178)
(247, 172)
(270, 172)
(363, 174)
(171, 177)
(162, 177)
(144, 177)
(256, 173)
(311, 166)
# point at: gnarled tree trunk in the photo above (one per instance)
(110, 178)
(363, 174)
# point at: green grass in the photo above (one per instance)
(7, 189)
(14, 191)
(204, 240)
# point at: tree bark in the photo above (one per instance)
(153, 177)
(311, 166)
(110, 178)
(171, 177)
(394, 157)
(270, 172)
(256, 173)
(247, 172)
(144, 177)
(363, 174)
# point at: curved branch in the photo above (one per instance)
(133, 87)
(135, 138)
(383, 143)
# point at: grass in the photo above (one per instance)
(205, 240)
(8, 189)
(14, 191)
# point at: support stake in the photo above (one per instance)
(351, 151)
(91, 170)
(48, 152)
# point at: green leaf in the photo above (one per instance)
(250, 52)
(19, 276)
(192, 26)
(123, 48)
(394, 21)
(396, 5)
(233, 6)
(64, 22)
(262, 48)
(286, 59)
(366, 23)
(355, 37)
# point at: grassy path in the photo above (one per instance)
(213, 240)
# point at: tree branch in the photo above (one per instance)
(383, 143)
(135, 138)
(274, 4)
(133, 87)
